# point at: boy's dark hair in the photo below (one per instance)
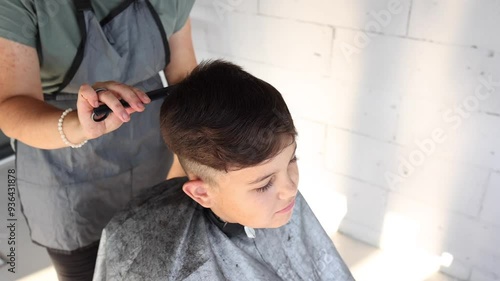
(224, 118)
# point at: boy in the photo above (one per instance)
(238, 215)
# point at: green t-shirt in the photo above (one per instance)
(51, 27)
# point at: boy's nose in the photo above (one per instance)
(288, 189)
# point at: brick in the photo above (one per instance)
(399, 65)
(325, 100)
(335, 198)
(458, 22)
(311, 98)
(474, 142)
(480, 275)
(281, 42)
(418, 119)
(366, 204)
(360, 232)
(475, 246)
(487, 255)
(225, 6)
(365, 110)
(360, 157)
(438, 230)
(459, 121)
(435, 181)
(311, 137)
(363, 15)
(396, 265)
(376, 63)
(412, 224)
(331, 102)
(328, 205)
(491, 209)
(458, 269)
(464, 138)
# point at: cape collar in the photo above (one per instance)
(230, 229)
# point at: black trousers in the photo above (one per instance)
(77, 266)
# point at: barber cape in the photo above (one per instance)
(165, 235)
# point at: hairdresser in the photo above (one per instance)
(59, 60)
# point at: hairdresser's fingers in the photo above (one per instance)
(142, 95)
(111, 100)
(133, 96)
(86, 97)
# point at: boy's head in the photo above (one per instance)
(235, 138)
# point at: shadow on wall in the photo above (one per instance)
(433, 170)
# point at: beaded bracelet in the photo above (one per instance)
(63, 136)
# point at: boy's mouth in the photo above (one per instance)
(288, 208)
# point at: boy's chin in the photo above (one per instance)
(277, 224)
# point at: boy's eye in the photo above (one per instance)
(270, 183)
(265, 187)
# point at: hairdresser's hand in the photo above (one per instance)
(88, 99)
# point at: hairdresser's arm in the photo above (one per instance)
(182, 58)
(26, 117)
(23, 114)
(182, 62)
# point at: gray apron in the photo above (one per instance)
(69, 195)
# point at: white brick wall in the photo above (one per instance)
(258, 38)
(351, 154)
(366, 203)
(378, 88)
(463, 22)
(392, 16)
(489, 212)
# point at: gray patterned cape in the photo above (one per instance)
(165, 235)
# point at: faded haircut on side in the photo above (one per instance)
(221, 118)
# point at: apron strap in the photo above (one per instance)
(116, 11)
(82, 5)
(162, 32)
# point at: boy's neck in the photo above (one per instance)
(230, 229)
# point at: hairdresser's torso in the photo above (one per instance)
(68, 195)
(52, 28)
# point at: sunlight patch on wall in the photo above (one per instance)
(400, 258)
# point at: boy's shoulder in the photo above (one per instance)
(163, 206)
(138, 242)
(159, 198)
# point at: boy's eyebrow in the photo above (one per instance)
(266, 176)
(261, 179)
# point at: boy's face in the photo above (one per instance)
(261, 196)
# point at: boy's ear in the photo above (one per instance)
(198, 191)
